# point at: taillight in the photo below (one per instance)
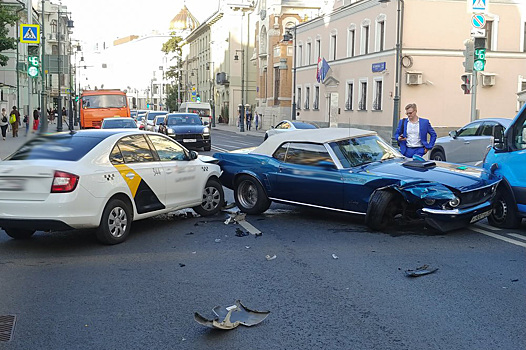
(64, 182)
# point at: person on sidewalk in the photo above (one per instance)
(256, 120)
(412, 133)
(249, 121)
(15, 122)
(4, 122)
(26, 122)
(36, 119)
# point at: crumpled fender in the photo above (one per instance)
(416, 190)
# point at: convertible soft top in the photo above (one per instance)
(322, 135)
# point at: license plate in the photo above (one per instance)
(189, 140)
(480, 216)
(12, 184)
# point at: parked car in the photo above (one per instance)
(150, 116)
(118, 123)
(157, 121)
(469, 144)
(102, 179)
(507, 160)
(188, 129)
(355, 171)
(287, 125)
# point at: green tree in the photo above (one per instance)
(171, 98)
(7, 18)
(173, 45)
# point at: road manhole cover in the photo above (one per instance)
(7, 327)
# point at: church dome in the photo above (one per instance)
(184, 20)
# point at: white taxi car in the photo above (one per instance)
(102, 179)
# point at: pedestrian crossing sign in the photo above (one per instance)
(30, 33)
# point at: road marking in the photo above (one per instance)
(516, 235)
(220, 149)
(494, 235)
(487, 227)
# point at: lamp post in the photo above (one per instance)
(288, 36)
(59, 34)
(242, 105)
(398, 53)
(212, 93)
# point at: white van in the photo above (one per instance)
(202, 109)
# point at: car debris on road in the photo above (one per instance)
(232, 316)
(420, 271)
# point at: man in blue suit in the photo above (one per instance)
(412, 133)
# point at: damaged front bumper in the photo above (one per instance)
(452, 219)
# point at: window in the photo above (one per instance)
(365, 39)
(318, 48)
(351, 42)
(524, 37)
(332, 56)
(316, 104)
(350, 94)
(281, 152)
(469, 130)
(167, 149)
(299, 59)
(489, 34)
(308, 53)
(377, 103)
(53, 25)
(362, 105)
(276, 86)
(298, 99)
(380, 35)
(307, 95)
(135, 149)
(307, 154)
(488, 129)
(265, 84)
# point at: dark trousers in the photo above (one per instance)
(4, 130)
(411, 151)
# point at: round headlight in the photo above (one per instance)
(429, 201)
(454, 202)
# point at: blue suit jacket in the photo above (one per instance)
(425, 128)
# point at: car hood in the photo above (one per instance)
(187, 129)
(443, 139)
(461, 177)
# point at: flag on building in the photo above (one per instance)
(322, 70)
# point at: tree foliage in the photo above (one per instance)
(171, 98)
(173, 45)
(7, 18)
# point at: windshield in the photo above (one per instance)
(159, 120)
(184, 120)
(104, 101)
(300, 125)
(118, 123)
(363, 150)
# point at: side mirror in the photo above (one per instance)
(205, 123)
(272, 127)
(193, 155)
(453, 134)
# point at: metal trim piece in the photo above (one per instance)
(7, 327)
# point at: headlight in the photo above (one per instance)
(429, 201)
(171, 131)
(206, 131)
(455, 202)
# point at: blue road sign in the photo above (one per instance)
(479, 5)
(478, 21)
(30, 33)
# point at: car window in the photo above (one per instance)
(487, 128)
(118, 124)
(307, 154)
(300, 125)
(281, 152)
(469, 130)
(184, 120)
(283, 125)
(135, 149)
(362, 150)
(167, 150)
(159, 120)
(116, 156)
(519, 135)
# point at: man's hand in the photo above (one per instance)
(402, 138)
(425, 150)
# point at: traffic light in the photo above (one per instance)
(148, 106)
(469, 55)
(466, 83)
(76, 98)
(480, 54)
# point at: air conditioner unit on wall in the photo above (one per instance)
(413, 78)
(488, 79)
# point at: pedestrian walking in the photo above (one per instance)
(36, 119)
(14, 120)
(256, 120)
(249, 121)
(4, 122)
(64, 115)
(412, 133)
(26, 122)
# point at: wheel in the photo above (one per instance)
(207, 148)
(115, 222)
(384, 210)
(213, 199)
(504, 213)
(250, 196)
(438, 155)
(17, 233)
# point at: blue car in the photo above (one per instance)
(355, 171)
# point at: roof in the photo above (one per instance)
(322, 135)
(184, 20)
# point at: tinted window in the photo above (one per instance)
(189, 119)
(281, 152)
(300, 125)
(469, 130)
(58, 147)
(487, 128)
(167, 149)
(118, 123)
(135, 149)
(307, 154)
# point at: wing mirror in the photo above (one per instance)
(453, 134)
(205, 123)
(499, 140)
(193, 155)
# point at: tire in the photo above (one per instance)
(504, 213)
(438, 156)
(207, 148)
(383, 211)
(17, 233)
(213, 199)
(115, 223)
(250, 196)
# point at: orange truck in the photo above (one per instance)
(96, 105)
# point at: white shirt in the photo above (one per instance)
(413, 134)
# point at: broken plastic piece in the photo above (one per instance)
(232, 316)
(334, 256)
(229, 205)
(268, 257)
(240, 232)
(218, 240)
(420, 271)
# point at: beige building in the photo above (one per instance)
(358, 41)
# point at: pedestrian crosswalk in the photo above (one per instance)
(490, 231)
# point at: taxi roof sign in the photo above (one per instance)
(30, 33)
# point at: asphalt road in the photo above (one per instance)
(69, 292)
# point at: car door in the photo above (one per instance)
(308, 175)
(185, 179)
(458, 148)
(132, 156)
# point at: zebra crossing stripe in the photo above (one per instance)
(502, 238)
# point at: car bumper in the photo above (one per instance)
(447, 220)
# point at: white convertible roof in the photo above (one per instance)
(322, 135)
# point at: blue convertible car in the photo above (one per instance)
(355, 171)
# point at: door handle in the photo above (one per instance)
(130, 176)
(168, 170)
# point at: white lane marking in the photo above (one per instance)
(220, 149)
(516, 235)
(494, 235)
(488, 227)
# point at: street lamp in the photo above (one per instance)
(288, 36)
(242, 105)
(212, 93)
(59, 34)
(398, 52)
